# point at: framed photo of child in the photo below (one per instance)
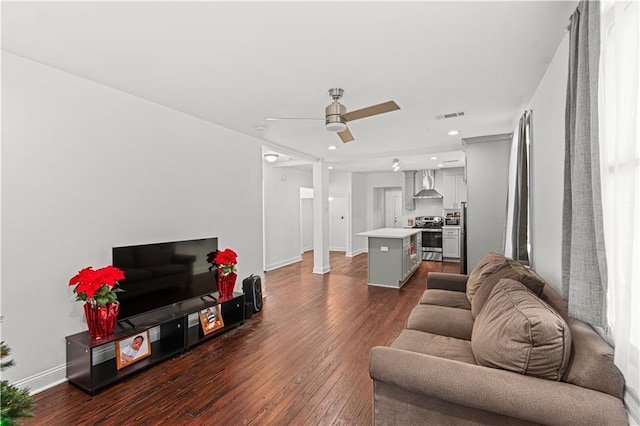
(211, 319)
(132, 349)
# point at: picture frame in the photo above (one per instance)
(132, 349)
(211, 319)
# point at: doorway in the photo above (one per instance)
(387, 207)
(392, 208)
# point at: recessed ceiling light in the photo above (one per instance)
(271, 158)
(434, 158)
(440, 165)
(333, 147)
(330, 167)
(453, 132)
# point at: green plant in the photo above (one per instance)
(15, 402)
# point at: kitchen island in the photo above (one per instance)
(393, 255)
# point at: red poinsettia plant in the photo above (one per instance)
(227, 260)
(97, 285)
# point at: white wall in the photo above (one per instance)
(86, 168)
(339, 184)
(282, 233)
(339, 210)
(547, 166)
(338, 220)
(306, 218)
(359, 211)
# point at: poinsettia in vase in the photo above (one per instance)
(226, 260)
(97, 289)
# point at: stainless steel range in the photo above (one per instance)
(431, 236)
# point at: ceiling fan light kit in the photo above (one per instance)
(271, 158)
(333, 113)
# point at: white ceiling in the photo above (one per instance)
(237, 63)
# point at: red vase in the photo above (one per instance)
(226, 284)
(101, 319)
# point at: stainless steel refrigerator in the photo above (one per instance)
(463, 237)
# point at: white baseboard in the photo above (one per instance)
(283, 263)
(355, 253)
(321, 270)
(44, 380)
(333, 248)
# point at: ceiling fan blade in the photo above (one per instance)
(292, 118)
(346, 135)
(372, 110)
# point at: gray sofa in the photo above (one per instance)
(495, 347)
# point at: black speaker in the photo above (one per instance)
(248, 309)
(252, 288)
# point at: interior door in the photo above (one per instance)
(397, 210)
(392, 208)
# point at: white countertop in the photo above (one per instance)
(389, 233)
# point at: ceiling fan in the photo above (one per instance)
(336, 115)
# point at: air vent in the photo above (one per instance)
(450, 115)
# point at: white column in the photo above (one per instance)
(320, 218)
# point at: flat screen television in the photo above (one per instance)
(162, 274)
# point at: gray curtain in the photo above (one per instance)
(519, 233)
(584, 269)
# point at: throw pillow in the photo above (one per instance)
(517, 331)
(510, 269)
(483, 269)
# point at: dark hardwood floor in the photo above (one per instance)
(302, 360)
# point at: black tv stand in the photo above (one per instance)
(209, 296)
(91, 363)
(130, 325)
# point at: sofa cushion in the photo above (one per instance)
(452, 299)
(519, 332)
(510, 269)
(442, 320)
(592, 361)
(553, 299)
(436, 345)
(483, 269)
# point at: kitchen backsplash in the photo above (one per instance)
(426, 208)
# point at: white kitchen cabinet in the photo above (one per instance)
(451, 242)
(409, 189)
(454, 191)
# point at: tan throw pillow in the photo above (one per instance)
(517, 331)
(483, 269)
(509, 269)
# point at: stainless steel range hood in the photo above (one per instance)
(428, 185)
